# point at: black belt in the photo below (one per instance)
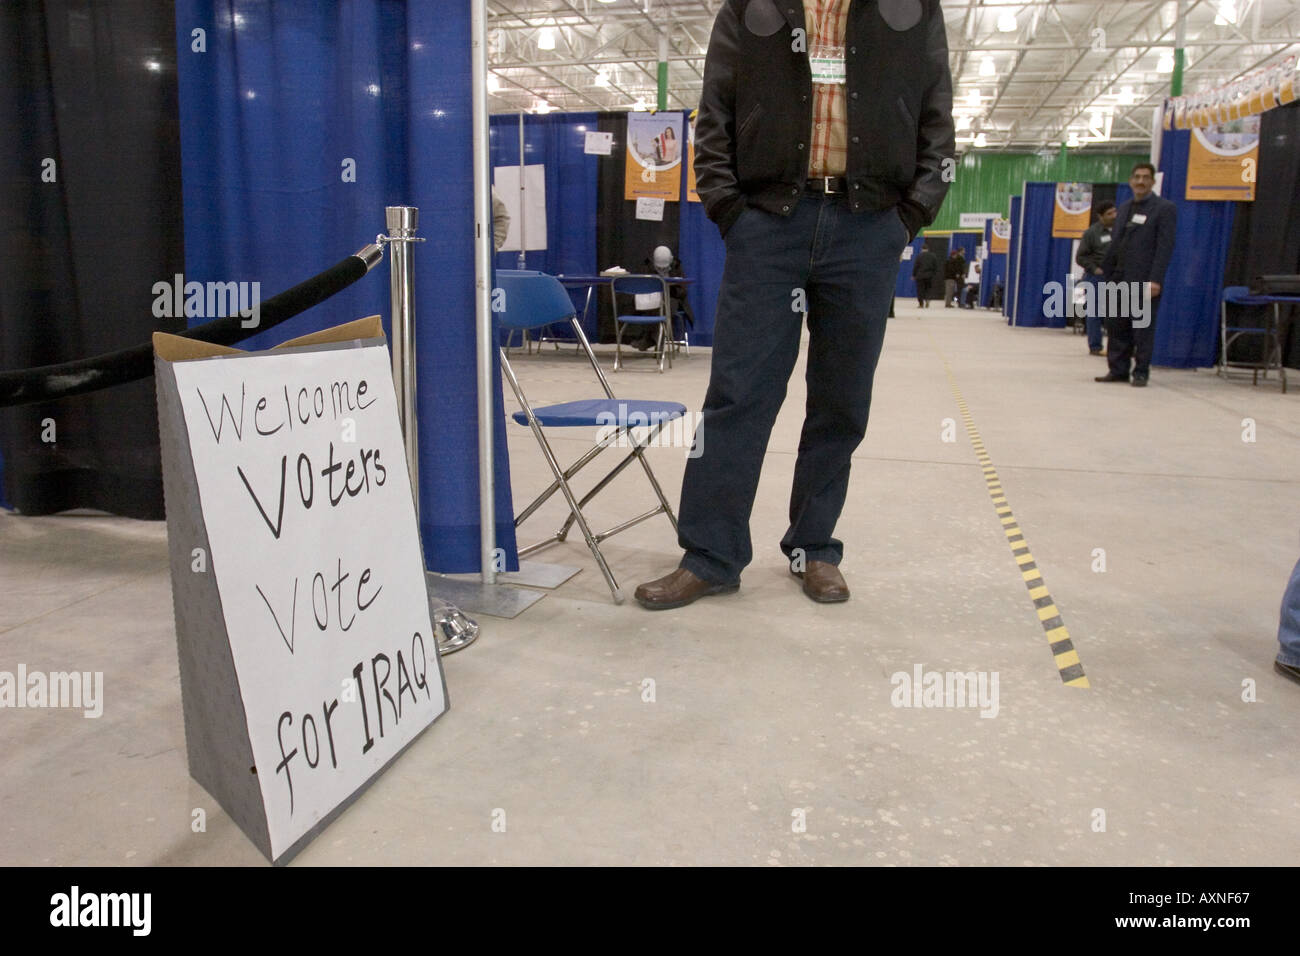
(825, 185)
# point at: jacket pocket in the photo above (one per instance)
(907, 114)
(903, 149)
(750, 159)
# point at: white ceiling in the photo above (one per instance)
(1065, 61)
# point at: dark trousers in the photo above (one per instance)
(843, 266)
(1130, 339)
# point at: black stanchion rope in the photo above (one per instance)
(26, 386)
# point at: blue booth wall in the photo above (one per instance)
(702, 254)
(1013, 256)
(1187, 326)
(995, 268)
(905, 285)
(558, 140)
(1041, 258)
(300, 122)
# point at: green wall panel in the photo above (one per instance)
(984, 181)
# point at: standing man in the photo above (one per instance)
(1092, 250)
(1141, 246)
(954, 271)
(924, 271)
(824, 143)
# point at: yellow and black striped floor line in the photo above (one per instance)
(1062, 647)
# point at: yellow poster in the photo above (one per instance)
(1000, 240)
(1222, 160)
(654, 156)
(1073, 210)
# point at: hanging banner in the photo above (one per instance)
(1222, 161)
(1073, 210)
(1288, 81)
(1001, 241)
(692, 192)
(654, 156)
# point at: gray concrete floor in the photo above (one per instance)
(766, 704)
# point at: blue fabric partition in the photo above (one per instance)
(299, 123)
(557, 141)
(1041, 258)
(966, 242)
(905, 285)
(995, 268)
(1013, 256)
(1187, 326)
(702, 254)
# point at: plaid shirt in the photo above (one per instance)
(830, 146)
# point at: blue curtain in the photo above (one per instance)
(995, 269)
(1013, 257)
(905, 285)
(299, 123)
(1187, 327)
(557, 141)
(1044, 259)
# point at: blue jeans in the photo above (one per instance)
(842, 265)
(1288, 631)
(1092, 320)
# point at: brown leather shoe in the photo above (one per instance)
(823, 582)
(678, 590)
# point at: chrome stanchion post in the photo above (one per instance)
(401, 222)
(453, 628)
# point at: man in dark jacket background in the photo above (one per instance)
(1092, 250)
(954, 278)
(1142, 243)
(924, 271)
(824, 143)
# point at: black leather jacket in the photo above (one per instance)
(752, 132)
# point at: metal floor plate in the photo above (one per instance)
(474, 597)
(538, 574)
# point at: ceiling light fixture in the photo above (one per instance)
(988, 67)
(1007, 22)
(546, 39)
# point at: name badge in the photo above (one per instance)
(1105, 238)
(1139, 219)
(828, 65)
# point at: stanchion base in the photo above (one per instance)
(453, 629)
(538, 574)
(475, 597)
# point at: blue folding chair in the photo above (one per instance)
(642, 285)
(1270, 356)
(533, 300)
